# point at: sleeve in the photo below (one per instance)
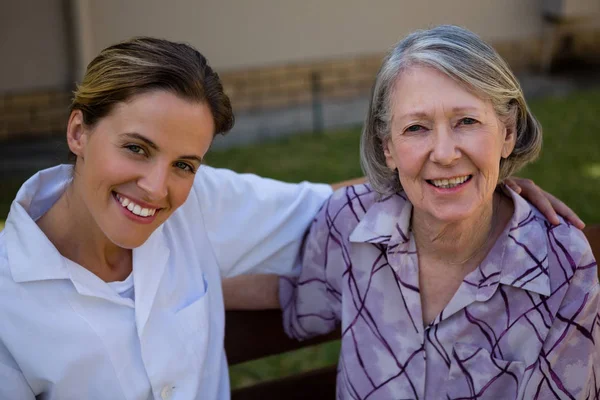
(311, 300)
(254, 224)
(569, 364)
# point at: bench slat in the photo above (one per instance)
(256, 334)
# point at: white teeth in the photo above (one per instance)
(135, 208)
(449, 183)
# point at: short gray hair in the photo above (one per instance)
(464, 57)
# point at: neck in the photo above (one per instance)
(71, 228)
(460, 244)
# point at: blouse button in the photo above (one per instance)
(166, 393)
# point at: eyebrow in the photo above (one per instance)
(417, 114)
(466, 108)
(150, 143)
(423, 115)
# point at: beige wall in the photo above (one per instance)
(245, 33)
(234, 34)
(33, 46)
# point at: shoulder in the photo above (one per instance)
(567, 245)
(561, 250)
(215, 180)
(211, 190)
(223, 187)
(349, 201)
(572, 269)
(350, 205)
(571, 258)
(212, 177)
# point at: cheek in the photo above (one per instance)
(488, 152)
(114, 172)
(180, 191)
(410, 158)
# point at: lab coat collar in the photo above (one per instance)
(31, 255)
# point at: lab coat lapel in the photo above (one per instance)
(149, 264)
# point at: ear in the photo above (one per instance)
(510, 139)
(76, 133)
(388, 153)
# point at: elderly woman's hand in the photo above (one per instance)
(549, 205)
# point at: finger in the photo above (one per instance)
(549, 205)
(540, 199)
(545, 206)
(564, 210)
(513, 185)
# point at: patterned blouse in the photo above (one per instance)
(524, 324)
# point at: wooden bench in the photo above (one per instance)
(251, 335)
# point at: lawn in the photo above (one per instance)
(569, 168)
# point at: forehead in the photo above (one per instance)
(165, 118)
(422, 87)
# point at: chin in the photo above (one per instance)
(128, 242)
(452, 214)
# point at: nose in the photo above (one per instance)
(154, 182)
(444, 149)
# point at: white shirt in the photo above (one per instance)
(125, 287)
(66, 334)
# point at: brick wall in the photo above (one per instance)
(33, 113)
(291, 85)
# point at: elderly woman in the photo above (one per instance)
(448, 285)
(110, 270)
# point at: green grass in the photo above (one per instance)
(569, 168)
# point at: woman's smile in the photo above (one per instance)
(136, 210)
(449, 185)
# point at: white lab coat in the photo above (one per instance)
(66, 334)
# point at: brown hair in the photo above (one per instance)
(144, 64)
